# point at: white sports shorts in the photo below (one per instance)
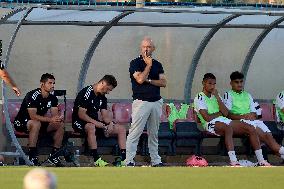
(257, 123)
(210, 126)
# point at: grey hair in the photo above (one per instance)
(147, 38)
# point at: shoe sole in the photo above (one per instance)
(49, 161)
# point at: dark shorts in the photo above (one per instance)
(21, 126)
(79, 126)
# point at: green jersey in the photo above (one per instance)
(279, 104)
(203, 102)
(240, 103)
(177, 114)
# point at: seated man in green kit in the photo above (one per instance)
(279, 105)
(212, 113)
(242, 107)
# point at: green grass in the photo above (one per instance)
(147, 177)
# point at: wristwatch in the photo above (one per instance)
(150, 80)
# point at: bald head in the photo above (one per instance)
(148, 40)
(147, 46)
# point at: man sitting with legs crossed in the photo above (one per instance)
(241, 107)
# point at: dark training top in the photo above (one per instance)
(145, 91)
(1, 65)
(34, 99)
(87, 99)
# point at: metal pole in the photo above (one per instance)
(7, 116)
(198, 53)
(90, 52)
(256, 44)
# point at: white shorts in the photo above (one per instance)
(210, 126)
(257, 123)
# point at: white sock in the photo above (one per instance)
(281, 150)
(259, 155)
(232, 156)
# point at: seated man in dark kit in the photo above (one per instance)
(32, 118)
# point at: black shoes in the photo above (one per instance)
(158, 165)
(35, 161)
(55, 160)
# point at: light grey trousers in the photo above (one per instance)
(143, 113)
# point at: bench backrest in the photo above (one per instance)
(13, 109)
(122, 111)
(267, 112)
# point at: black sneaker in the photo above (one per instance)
(35, 161)
(117, 161)
(55, 160)
(130, 164)
(158, 165)
(2, 164)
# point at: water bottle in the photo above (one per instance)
(77, 158)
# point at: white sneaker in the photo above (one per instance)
(264, 163)
(235, 164)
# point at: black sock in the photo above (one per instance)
(123, 154)
(32, 152)
(54, 150)
(95, 154)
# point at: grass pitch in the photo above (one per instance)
(150, 177)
